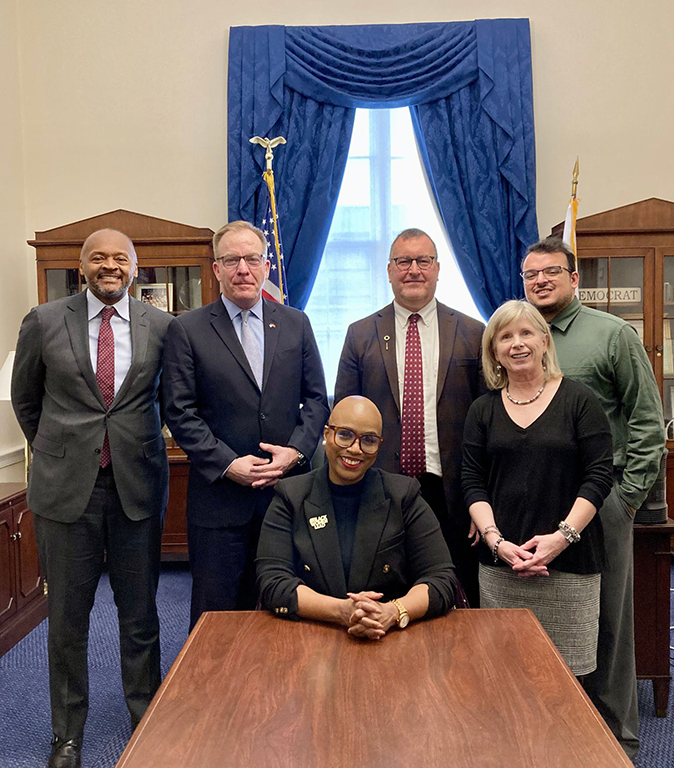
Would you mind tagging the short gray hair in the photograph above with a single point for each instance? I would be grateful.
(238, 226)
(412, 234)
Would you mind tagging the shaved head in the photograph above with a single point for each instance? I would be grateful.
(351, 418)
(356, 408)
(103, 235)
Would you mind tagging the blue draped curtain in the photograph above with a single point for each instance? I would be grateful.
(468, 85)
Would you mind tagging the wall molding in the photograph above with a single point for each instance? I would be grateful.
(13, 456)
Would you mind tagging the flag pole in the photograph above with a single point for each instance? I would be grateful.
(268, 177)
(569, 236)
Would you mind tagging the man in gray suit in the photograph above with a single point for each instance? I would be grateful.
(85, 390)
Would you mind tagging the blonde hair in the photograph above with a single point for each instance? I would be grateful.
(238, 226)
(495, 375)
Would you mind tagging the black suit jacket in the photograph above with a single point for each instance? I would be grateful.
(217, 413)
(368, 367)
(398, 544)
(60, 408)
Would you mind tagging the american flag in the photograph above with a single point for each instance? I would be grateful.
(275, 286)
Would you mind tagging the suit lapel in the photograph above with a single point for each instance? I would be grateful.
(272, 328)
(372, 516)
(446, 336)
(77, 324)
(224, 327)
(140, 332)
(385, 325)
(322, 528)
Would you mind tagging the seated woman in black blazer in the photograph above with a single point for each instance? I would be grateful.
(353, 545)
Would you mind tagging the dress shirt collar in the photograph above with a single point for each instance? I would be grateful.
(562, 320)
(95, 305)
(233, 309)
(427, 313)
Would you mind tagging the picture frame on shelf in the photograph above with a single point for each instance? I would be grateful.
(159, 295)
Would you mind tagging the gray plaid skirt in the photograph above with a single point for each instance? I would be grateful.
(566, 604)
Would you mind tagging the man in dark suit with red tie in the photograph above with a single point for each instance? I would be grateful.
(85, 390)
(246, 401)
(419, 361)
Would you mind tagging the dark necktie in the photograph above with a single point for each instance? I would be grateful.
(413, 443)
(105, 371)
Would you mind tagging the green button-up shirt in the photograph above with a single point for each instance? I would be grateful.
(604, 352)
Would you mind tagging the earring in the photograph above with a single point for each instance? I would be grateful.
(545, 361)
(499, 368)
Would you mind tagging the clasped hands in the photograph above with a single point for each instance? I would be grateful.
(532, 557)
(259, 472)
(368, 618)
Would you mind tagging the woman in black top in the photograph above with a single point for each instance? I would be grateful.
(537, 466)
(350, 544)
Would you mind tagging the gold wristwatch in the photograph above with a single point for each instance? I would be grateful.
(403, 617)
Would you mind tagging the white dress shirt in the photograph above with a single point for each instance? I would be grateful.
(121, 327)
(430, 356)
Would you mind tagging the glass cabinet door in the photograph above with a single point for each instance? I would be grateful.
(172, 289)
(614, 284)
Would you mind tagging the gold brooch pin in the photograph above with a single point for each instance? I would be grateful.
(387, 339)
(318, 522)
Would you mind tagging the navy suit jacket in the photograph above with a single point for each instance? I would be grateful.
(217, 413)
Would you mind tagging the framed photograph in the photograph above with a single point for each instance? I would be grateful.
(159, 295)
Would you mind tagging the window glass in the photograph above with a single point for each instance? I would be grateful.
(384, 191)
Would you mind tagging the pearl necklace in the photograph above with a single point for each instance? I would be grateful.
(525, 402)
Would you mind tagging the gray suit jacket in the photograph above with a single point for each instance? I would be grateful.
(61, 411)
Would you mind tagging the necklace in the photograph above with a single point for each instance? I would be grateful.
(525, 402)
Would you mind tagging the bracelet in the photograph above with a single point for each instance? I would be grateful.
(489, 529)
(494, 549)
(569, 532)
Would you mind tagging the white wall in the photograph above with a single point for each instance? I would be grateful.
(124, 105)
(15, 259)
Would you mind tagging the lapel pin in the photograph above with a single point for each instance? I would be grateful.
(272, 325)
(318, 522)
(387, 339)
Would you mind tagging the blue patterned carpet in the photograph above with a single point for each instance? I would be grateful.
(24, 690)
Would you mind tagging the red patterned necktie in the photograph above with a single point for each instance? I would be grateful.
(105, 371)
(413, 444)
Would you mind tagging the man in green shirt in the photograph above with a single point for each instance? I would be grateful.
(604, 352)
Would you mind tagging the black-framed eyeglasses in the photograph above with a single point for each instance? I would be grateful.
(253, 260)
(531, 274)
(345, 438)
(404, 263)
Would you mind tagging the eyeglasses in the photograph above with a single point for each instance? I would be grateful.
(531, 274)
(404, 263)
(253, 260)
(345, 438)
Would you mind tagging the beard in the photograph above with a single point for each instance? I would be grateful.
(106, 292)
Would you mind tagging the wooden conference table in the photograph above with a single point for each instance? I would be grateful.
(474, 688)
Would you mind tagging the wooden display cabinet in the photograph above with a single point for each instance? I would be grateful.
(626, 266)
(174, 273)
(23, 604)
